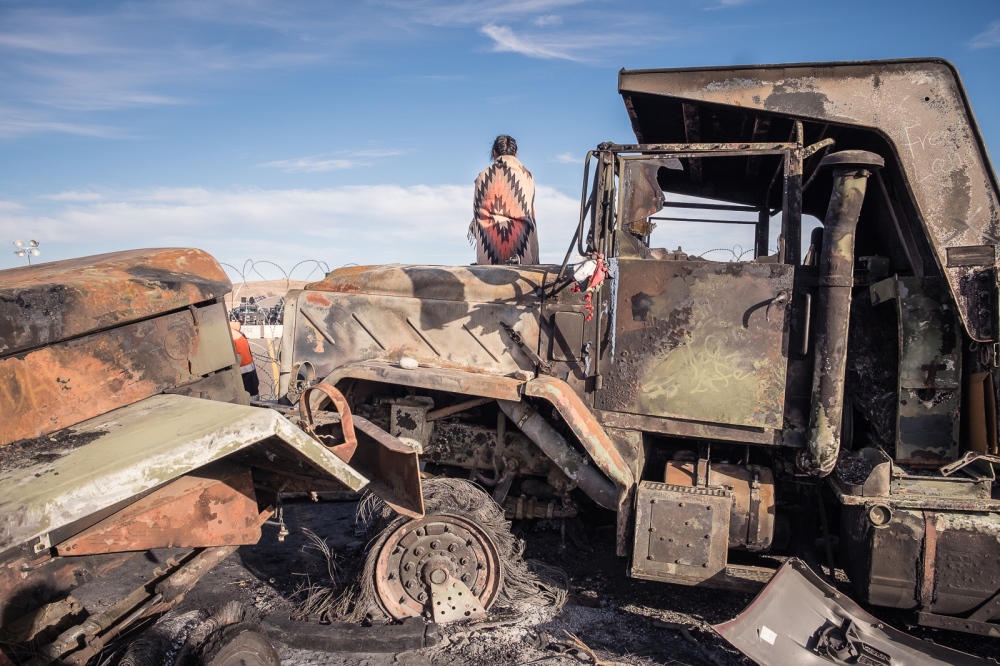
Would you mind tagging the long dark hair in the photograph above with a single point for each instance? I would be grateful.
(503, 145)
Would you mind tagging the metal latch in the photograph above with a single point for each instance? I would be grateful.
(529, 352)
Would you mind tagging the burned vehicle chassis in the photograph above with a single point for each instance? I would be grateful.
(126, 429)
(821, 389)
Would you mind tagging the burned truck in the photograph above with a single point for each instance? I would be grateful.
(832, 393)
(124, 429)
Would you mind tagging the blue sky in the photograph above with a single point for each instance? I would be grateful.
(350, 132)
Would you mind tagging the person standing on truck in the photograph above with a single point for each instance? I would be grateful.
(251, 383)
(503, 224)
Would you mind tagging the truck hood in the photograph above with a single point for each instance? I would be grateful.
(56, 301)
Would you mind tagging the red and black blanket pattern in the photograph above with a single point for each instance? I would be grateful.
(503, 223)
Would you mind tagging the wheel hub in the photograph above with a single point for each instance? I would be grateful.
(428, 552)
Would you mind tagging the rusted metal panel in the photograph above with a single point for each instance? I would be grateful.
(225, 385)
(681, 533)
(699, 341)
(689, 429)
(213, 506)
(136, 448)
(62, 384)
(55, 301)
(975, 483)
(439, 379)
(922, 501)
(919, 106)
(965, 555)
(393, 468)
(332, 329)
(213, 341)
(463, 284)
(752, 513)
(442, 317)
(567, 336)
(942, 562)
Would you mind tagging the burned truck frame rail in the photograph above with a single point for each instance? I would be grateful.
(808, 391)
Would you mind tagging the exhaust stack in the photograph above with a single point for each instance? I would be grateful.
(851, 169)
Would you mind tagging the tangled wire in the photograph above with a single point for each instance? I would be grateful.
(250, 269)
(525, 583)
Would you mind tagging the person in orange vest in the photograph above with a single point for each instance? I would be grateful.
(247, 368)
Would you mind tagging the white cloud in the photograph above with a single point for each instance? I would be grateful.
(62, 63)
(533, 45)
(309, 164)
(376, 152)
(74, 196)
(988, 38)
(330, 162)
(355, 224)
(19, 126)
(567, 158)
(436, 12)
(547, 20)
(724, 4)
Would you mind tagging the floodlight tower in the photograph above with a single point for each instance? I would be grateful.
(29, 249)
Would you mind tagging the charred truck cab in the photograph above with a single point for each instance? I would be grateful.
(842, 389)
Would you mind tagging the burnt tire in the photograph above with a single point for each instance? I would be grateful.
(245, 648)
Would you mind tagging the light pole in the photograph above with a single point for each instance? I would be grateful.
(29, 249)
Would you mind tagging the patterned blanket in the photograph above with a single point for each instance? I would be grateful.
(503, 223)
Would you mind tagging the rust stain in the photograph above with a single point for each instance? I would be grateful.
(203, 509)
(55, 301)
(317, 298)
(63, 384)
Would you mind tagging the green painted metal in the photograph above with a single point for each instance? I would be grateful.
(116, 457)
(930, 364)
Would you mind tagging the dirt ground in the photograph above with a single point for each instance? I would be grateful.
(609, 613)
(609, 619)
(265, 288)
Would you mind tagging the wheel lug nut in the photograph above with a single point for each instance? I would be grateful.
(464, 561)
(408, 566)
(435, 545)
(410, 584)
(452, 548)
(466, 578)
